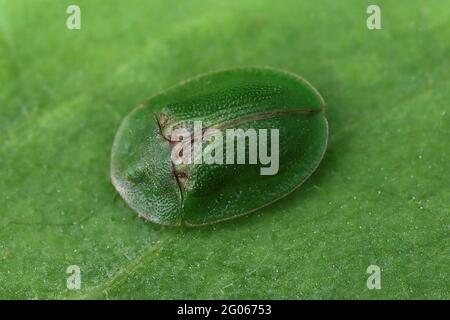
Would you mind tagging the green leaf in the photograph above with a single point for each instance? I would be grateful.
(380, 195)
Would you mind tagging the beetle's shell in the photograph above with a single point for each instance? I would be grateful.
(197, 194)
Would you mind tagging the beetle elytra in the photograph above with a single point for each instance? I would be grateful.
(278, 116)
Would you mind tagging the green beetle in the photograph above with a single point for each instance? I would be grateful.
(188, 191)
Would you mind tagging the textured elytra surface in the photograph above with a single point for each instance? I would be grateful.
(380, 195)
(198, 193)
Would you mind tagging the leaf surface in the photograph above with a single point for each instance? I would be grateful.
(380, 195)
